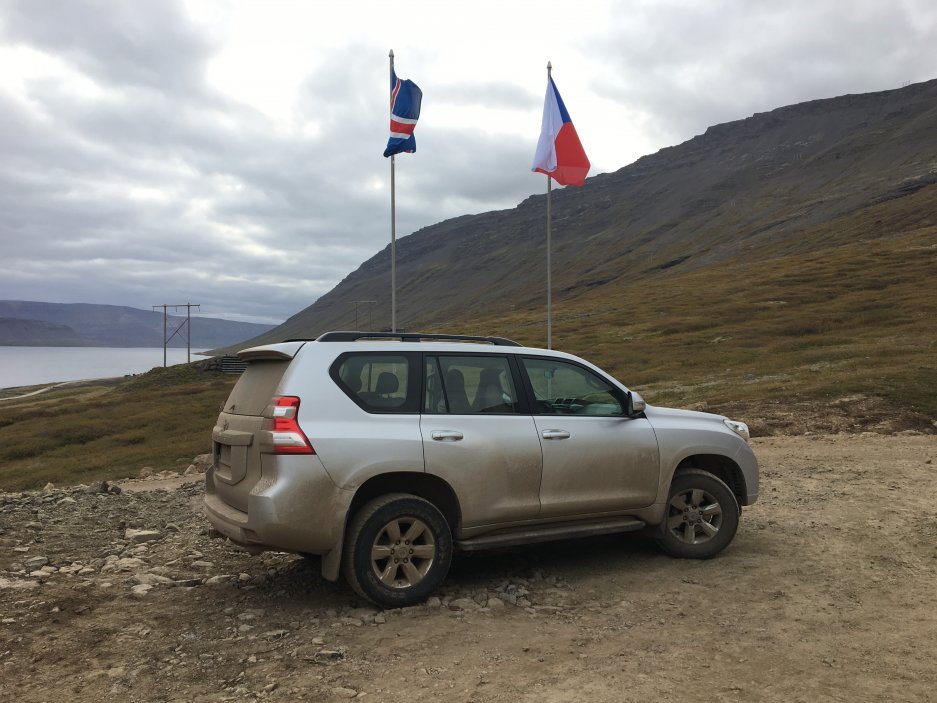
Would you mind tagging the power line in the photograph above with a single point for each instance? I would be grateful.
(369, 303)
(186, 324)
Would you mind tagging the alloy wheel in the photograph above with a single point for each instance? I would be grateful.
(695, 516)
(403, 552)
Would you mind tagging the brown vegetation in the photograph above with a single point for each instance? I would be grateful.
(107, 430)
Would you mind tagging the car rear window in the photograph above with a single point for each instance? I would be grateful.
(256, 386)
(377, 382)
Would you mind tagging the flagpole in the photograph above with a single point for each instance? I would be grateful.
(393, 223)
(549, 267)
(549, 228)
(393, 249)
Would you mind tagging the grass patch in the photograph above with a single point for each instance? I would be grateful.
(161, 419)
(855, 317)
(913, 388)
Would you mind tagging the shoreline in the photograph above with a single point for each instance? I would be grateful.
(40, 388)
(25, 369)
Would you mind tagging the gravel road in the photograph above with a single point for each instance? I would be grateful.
(829, 593)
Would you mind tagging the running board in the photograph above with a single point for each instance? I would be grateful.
(549, 534)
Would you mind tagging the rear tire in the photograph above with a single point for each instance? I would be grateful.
(397, 551)
(702, 516)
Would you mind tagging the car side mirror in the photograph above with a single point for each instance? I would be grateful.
(637, 403)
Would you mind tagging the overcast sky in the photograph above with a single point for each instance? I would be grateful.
(228, 153)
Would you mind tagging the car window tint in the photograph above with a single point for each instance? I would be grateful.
(470, 385)
(567, 389)
(377, 381)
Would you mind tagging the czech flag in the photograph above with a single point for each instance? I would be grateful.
(405, 99)
(559, 152)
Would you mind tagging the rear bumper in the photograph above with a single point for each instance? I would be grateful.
(294, 507)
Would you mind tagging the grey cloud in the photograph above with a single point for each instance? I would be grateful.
(689, 66)
(483, 171)
(128, 43)
(491, 94)
(309, 202)
(253, 220)
(295, 198)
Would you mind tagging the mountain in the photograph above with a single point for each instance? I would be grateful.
(26, 323)
(745, 190)
(37, 333)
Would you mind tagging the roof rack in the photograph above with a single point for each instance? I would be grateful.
(412, 337)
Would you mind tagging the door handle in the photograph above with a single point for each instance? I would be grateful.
(555, 434)
(446, 435)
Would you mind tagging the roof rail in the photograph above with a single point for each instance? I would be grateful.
(413, 337)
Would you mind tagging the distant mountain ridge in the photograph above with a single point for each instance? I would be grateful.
(748, 188)
(37, 333)
(29, 323)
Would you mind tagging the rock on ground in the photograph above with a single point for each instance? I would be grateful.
(826, 593)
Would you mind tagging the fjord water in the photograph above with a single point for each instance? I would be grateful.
(32, 366)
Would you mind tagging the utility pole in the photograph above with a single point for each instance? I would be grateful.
(187, 324)
(363, 302)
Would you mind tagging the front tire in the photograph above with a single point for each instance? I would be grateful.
(398, 550)
(702, 516)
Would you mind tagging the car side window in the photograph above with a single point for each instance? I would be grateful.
(562, 388)
(469, 385)
(377, 382)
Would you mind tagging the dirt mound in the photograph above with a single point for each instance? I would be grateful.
(850, 414)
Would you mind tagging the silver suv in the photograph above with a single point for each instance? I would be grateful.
(384, 453)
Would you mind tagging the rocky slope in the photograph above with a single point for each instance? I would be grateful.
(745, 189)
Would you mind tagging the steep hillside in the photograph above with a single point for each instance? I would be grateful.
(743, 190)
(791, 335)
(27, 323)
(780, 268)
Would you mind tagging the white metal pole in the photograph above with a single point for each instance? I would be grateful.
(549, 267)
(393, 227)
(393, 249)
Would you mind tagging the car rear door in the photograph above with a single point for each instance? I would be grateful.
(596, 459)
(479, 436)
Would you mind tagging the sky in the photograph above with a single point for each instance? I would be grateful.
(229, 153)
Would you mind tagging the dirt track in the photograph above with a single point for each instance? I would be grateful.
(829, 593)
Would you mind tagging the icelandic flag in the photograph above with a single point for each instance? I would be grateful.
(559, 152)
(405, 99)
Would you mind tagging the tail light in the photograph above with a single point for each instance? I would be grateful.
(287, 436)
